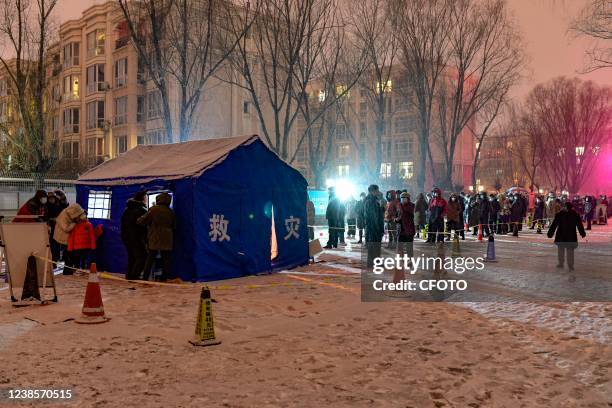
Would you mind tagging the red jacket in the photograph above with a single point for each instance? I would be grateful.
(83, 236)
(29, 208)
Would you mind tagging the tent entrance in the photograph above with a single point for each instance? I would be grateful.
(273, 241)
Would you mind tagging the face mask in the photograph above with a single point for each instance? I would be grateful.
(404, 200)
(43, 200)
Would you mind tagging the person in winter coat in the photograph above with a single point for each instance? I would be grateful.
(374, 216)
(160, 222)
(504, 215)
(601, 210)
(589, 210)
(517, 212)
(134, 235)
(351, 218)
(405, 221)
(578, 205)
(453, 216)
(437, 211)
(332, 215)
(341, 224)
(310, 217)
(474, 213)
(564, 228)
(52, 210)
(359, 211)
(34, 207)
(64, 224)
(420, 212)
(484, 211)
(538, 214)
(391, 215)
(82, 242)
(494, 209)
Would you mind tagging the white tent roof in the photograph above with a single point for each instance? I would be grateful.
(169, 161)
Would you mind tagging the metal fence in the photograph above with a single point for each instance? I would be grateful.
(15, 190)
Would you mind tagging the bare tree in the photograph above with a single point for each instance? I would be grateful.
(278, 62)
(575, 118)
(595, 21)
(26, 32)
(421, 28)
(326, 98)
(485, 61)
(374, 34)
(182, 43)
(147, 22)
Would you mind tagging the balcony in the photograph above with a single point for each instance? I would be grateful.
(95, 52)
(97, 87)
(69, 97)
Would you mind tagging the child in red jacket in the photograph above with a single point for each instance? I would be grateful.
(82, 242)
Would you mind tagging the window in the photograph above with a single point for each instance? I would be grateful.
(386, 149)
(341, 131)
(344, 150)
(3, 111)
(322, 95)
(95, 79)
(95, 147)
(121, 71)
(99, 204)
(140, 140)
(343, 170)
(71, 87)
(153, 105)
(140, 71)
(403, 124)
(70, 150)
(363, 107)
(55, 125)
(362, 152)
(71, 55)
(387, 86)
(404, 147)
(95, 115)
(385, 170)
(363, 130)
(154, 137)
(71, 120)
(245, 107)
(342, 90)
(3, 87)
(122, 34)
(95, 43)
(120, 145)
(406, 170)
(121, 110)
(140, 108)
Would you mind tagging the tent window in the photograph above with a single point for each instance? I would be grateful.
(99, 204)
(152, 196)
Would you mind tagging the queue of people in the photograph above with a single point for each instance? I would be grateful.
(146, 233)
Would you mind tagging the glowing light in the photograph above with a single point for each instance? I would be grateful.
(480, 188)
(344, 188)
(471, 188)
(541, 191)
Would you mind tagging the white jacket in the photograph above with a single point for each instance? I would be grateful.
(65, 222)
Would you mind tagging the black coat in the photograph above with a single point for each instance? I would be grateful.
(131, 232)
(538, 212)
(483, 211)
(374, 219)
(517, 210)
(494, 210)
(333, 212)
(565, 225)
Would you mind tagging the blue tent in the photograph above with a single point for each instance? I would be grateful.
(227, 195)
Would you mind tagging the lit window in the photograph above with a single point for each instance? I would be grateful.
(344, 151)
(341, 90)
(385, 170)
(579, 150)
(343, 170)
(406, 170)
(386, 87)
(99, 204)
(322, 95)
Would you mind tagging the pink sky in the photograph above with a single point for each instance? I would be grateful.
(551, 50)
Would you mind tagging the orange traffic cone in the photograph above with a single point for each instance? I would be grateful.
(480, 232)
(93, 309)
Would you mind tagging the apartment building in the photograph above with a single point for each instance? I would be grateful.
(354, 142)
(105, 103)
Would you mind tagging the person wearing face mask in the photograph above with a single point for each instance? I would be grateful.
(517, 211)
(437, 211)
(53, 209)
(453, 216)
(494, 209)
(589, 210)
(405, 221)
(34, 209)
(564, 228)
(374, 216)
(483, 213)
(538, 214)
